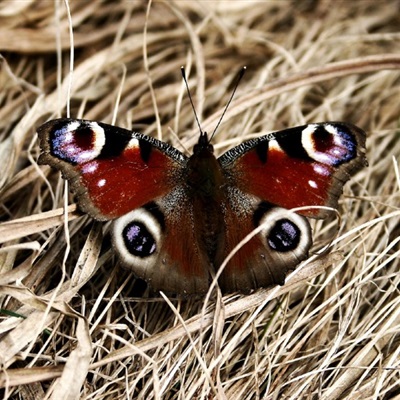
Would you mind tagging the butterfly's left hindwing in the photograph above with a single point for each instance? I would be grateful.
(111, 170)
(159, 243)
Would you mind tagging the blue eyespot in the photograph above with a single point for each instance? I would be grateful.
(284, 236)
(138, 240)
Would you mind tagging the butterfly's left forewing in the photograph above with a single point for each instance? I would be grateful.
(111, 170)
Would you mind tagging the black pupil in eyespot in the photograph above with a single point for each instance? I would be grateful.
(284, 236)
(138, 240)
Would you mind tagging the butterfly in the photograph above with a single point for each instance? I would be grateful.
(176, 218)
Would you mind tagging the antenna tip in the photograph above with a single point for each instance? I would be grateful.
(242, 71)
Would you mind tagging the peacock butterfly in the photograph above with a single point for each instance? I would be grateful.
(176, 218)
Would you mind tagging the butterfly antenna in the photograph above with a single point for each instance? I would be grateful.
(190, 98)
(239, 78)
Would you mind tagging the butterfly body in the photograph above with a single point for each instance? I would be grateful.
(177, 218)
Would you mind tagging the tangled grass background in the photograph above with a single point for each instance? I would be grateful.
(74, 324)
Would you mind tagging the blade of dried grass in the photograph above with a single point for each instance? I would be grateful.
(368, 356)
(25, 376)
(202, 321)
(23, 227)
(312, 76)
(35, 321)
(69, 385)
(11, 273)
(187, 333)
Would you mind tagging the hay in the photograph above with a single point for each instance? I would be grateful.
(76, 326)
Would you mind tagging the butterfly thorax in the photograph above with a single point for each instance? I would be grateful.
(205, 177)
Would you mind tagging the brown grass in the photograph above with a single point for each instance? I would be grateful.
(73, 324)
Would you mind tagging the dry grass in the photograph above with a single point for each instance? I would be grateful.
(76, 326)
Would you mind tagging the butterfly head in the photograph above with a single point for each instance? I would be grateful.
(203, 146)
